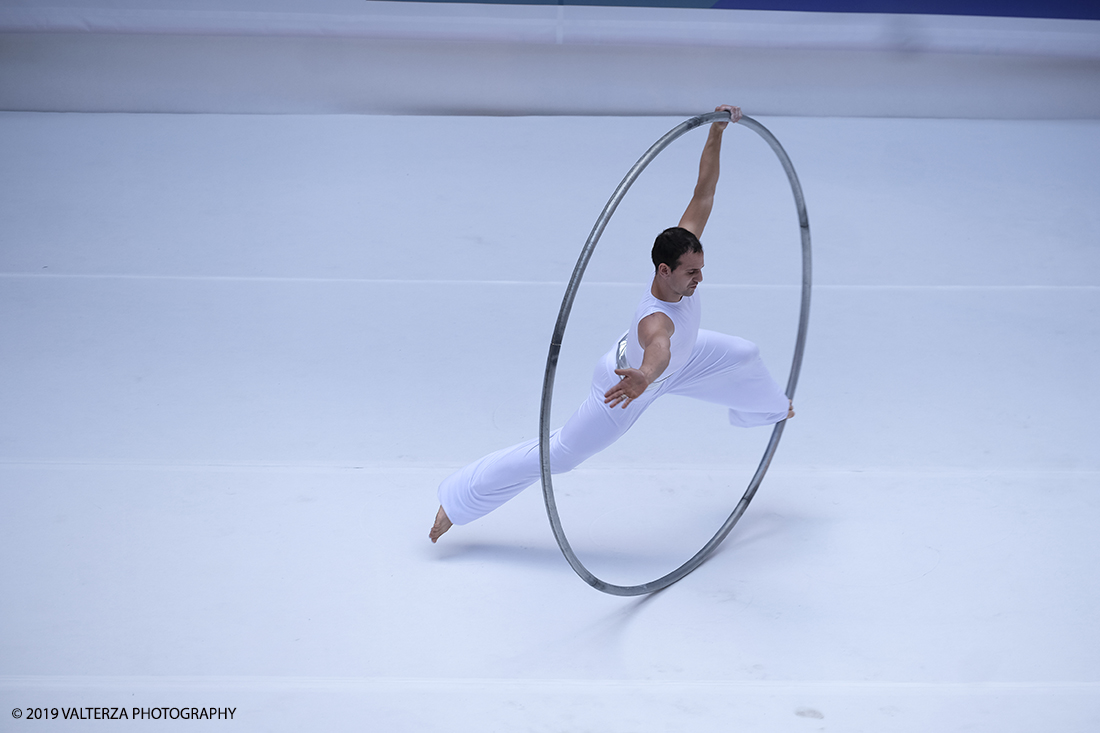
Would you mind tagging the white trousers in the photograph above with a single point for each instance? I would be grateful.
(725, 370)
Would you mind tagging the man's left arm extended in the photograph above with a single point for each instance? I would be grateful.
(655, 337)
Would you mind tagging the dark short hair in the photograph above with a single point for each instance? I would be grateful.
(672, 244)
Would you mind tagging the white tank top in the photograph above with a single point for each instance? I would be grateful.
(685, 315)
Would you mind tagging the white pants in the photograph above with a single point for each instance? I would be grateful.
(726, 370)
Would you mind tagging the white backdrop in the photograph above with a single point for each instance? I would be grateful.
(363, 56)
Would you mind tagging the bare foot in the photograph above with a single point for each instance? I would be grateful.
(442, 524)
(790, 414)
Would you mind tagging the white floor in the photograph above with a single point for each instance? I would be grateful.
(237, 355)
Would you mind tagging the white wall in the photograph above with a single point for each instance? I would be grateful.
(341, 56)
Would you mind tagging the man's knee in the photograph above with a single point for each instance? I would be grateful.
(567, 454)
(564, 459)
(748, 350)
(735, 350)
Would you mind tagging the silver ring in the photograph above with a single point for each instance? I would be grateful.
(559, 331)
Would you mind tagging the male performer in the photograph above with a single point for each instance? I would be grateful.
(664, 352)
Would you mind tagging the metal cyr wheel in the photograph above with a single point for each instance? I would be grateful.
(559, 331)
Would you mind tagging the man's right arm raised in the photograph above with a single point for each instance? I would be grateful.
(702, 201)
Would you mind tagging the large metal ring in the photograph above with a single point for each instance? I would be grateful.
(559, 331)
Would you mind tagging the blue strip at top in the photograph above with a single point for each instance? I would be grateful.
(1061, 9)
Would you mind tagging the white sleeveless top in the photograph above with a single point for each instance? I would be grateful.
(685, 315)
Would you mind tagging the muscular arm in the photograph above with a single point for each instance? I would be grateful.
(655, 337)
(702, 201)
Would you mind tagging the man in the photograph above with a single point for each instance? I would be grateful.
(664, 352)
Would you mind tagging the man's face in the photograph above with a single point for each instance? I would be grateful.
(687, 275)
